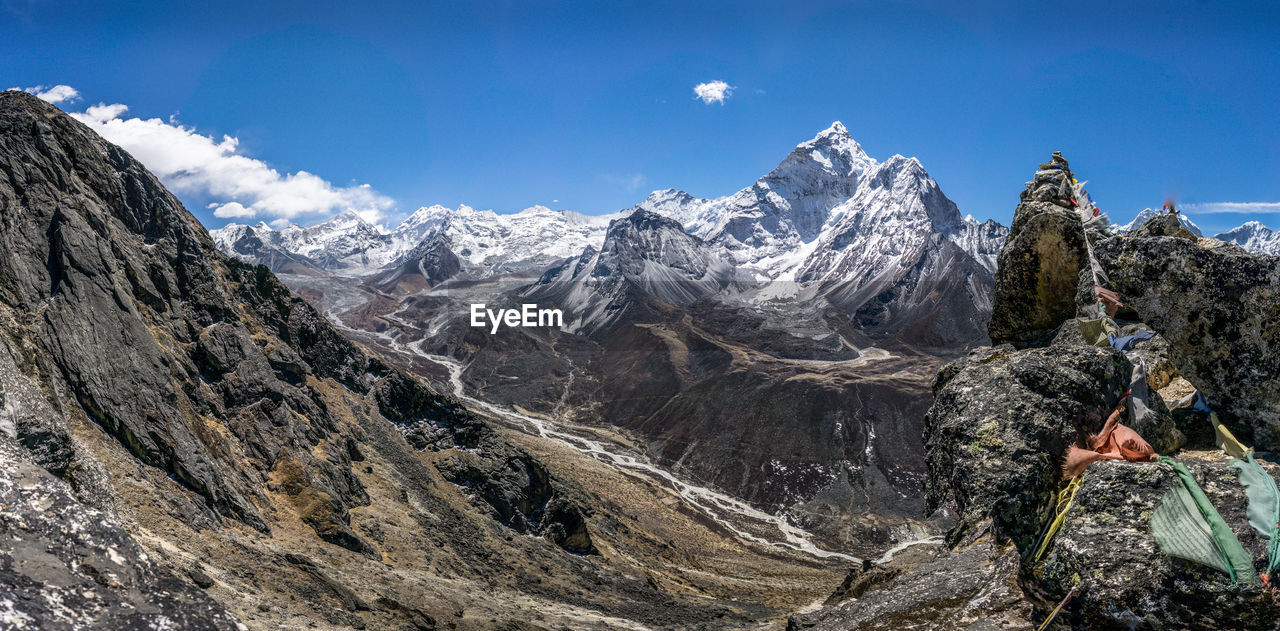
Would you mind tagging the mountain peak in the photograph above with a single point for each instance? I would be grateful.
(837, 130)
(1253, 236)
(833, 152)
(644, 218)
(666, 195)
(836, 136)
(349, 216)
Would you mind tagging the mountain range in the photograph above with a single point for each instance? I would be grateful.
(819, 297)
(187, 443)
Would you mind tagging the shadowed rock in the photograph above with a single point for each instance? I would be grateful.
(1038, 271)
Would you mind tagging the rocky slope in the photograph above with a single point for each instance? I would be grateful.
(234, 459)
(1003, 419)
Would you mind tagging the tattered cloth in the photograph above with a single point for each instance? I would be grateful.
(1114, 442)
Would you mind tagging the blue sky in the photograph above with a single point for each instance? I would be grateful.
(589, 106)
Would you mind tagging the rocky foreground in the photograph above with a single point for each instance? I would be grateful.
(1004, 417)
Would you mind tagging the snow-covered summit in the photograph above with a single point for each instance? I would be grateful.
(1254, 237)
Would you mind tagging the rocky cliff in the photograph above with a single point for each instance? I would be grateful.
(1028, 540)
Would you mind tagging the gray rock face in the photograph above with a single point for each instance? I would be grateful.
(1125, 581)
(1038, 271)
(132, 315)
(64, 566)
(1001, 421)
(1217, 308)
(428, 264)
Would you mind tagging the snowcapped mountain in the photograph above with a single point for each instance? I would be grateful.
(1148, 213)
(428, 264)
(1254, 237)
(534, 238)
(829, 223)
(822, 207)
(345, 244)
(486, 242)
(788, 207)
(675, 204)
(644, 255)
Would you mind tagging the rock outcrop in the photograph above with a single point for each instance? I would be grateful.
(1003, 419)
(1105, 545)
(1164, 225)
(973, 586)
(1039, 266)
(1219, 309)
(66, 566)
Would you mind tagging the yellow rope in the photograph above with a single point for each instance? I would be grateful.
(1065, 498)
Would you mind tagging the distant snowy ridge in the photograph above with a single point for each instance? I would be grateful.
(1254, 237)
(487, 241)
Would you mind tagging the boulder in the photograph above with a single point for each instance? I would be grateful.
(1125, 580)
(1001, 423)
(1039, 268)
(1219, 310)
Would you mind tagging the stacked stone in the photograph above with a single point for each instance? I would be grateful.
(1053, 183)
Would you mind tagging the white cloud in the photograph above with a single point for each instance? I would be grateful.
(713, 92)
(53, 93)
(240, 187)
(230, 210)
(1232, 207)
